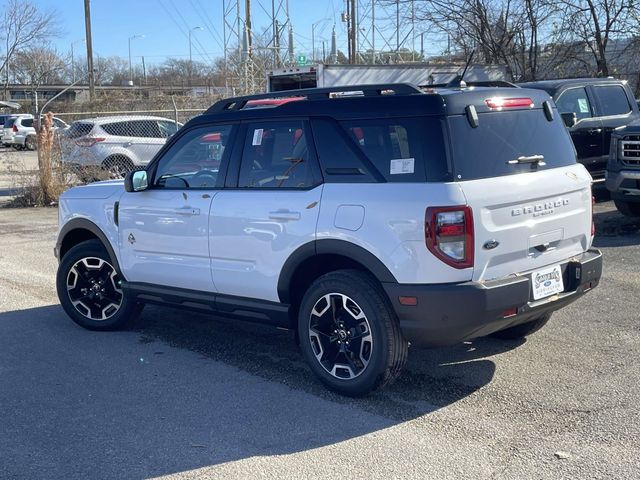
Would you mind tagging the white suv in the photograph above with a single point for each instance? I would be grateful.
(20, 133)
(118, 144)
(362, 223)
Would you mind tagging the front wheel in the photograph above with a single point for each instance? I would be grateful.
(349, 333)
(89, 289)
(629, 209)
(523, 330)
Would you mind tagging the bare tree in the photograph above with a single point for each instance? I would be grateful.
(37, 66)
(596, 23)
(24, 24)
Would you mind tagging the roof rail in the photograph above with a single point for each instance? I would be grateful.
(237, 103)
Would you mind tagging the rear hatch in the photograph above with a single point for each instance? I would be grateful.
(516, 165)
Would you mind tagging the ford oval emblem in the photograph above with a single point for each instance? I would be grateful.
(491, 244)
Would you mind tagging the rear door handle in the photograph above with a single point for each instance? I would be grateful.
(127, 144)
(187, 211)
(594, 131)
(285, 215)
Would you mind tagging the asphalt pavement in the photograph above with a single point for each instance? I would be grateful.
(183, 395)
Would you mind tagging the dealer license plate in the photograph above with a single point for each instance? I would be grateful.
(547, 282)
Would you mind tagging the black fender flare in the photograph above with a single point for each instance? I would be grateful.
(85, 224)
(330, 246)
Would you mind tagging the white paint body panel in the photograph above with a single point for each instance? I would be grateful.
(252, 234)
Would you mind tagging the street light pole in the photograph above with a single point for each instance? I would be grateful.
(73, 62)
(313, 38)
(130, 64)
(190, 56)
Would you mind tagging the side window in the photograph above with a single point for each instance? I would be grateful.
(613, 100)
(146, 129)
(403, 149)
(119, 129)
(167, 129)
(194, 160)
(276, 155)
(575, 100)
(27, 122)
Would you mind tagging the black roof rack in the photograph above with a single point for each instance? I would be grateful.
(237, 103)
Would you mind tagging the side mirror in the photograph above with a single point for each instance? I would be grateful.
(136, 181)
(569, 119)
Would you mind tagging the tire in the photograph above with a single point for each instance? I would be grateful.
(629, 209)
(97, 303)
(118, 166)
(350, 356)
(523, 330)
(31, 143)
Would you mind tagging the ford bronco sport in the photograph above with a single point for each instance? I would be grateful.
(363, 218)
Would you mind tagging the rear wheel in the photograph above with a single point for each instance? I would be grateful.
(31, 143)
(629, 209)
(89, 289)
(522, 330)
(118, 166)
(349, 333)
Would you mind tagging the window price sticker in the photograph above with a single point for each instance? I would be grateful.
(257, 136)
(400, 166)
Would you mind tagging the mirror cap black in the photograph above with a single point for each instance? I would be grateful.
(128, 182)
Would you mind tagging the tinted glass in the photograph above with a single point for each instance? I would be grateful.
(402, 149)
(503, 136)
(613, 100)
(9, 122)
(146, 129)
(27, 122)
(276, 155)
(119, 129)
(79, 129)
(575, 101)
(194, 160)
(167, 128)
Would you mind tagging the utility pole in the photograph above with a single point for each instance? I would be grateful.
(87, 26)
(144, 71)
(354, 32)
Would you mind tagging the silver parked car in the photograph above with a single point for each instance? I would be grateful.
(117, 144)
(20, 133)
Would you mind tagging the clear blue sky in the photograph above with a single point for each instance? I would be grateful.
(165, 23)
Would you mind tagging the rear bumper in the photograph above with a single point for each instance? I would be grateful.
(449, 313)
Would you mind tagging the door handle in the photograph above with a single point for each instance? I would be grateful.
(594, 131)
(127, 144)
(285, 215)
(187, 211)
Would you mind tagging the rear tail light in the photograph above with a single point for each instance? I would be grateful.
(88, 141)
(449, 234)
(498, 103)
(14, 129)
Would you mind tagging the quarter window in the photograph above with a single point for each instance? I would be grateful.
(575, 101)
(193, 162)
(613, 100)
(402, 149)
(276, 155)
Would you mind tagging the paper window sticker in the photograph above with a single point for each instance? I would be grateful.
(583, 105)
(257, 136)
(400, 166)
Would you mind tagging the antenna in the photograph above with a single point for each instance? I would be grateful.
(458, 80)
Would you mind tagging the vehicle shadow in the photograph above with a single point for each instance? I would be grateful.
(615, 230)
(181, 391)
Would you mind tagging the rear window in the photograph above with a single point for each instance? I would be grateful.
(79, 129)
(407, 149)
(500, 137)
(9, 122)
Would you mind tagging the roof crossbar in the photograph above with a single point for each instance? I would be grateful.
(237, 103)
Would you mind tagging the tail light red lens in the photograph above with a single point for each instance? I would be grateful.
(449, 234)
(498, 103)
(88, 141)
(14, 129)
(593, 223)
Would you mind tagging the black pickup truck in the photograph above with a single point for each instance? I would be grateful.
(592, 108)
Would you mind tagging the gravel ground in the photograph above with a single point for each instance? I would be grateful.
(182, 395)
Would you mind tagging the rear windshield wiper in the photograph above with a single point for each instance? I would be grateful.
(537, 159)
